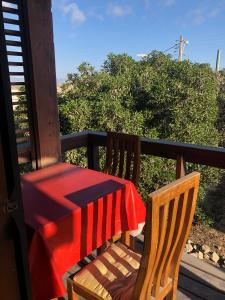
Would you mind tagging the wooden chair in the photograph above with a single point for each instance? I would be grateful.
(123, 156)
(120, 273)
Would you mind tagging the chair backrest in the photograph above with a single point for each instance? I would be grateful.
(123, 156)
(169, 217)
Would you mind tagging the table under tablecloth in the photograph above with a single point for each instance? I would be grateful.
(69, 212)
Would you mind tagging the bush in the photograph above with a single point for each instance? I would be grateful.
(157, 97)
(221, 105)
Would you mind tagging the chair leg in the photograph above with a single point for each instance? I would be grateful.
(173, 293)
(115, 238)
(170, 296)
(102, 249)
(128, 240)
(71, 294)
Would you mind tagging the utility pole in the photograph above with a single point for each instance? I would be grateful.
(218, 60)
(181, 48)
(182, 44)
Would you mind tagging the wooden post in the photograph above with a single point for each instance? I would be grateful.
(180, 167)
(93, 157)
(44, 100)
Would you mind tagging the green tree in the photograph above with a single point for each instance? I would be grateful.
(156, 97)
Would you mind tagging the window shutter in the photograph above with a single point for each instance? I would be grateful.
(20, 70)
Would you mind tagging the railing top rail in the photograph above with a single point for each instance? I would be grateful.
(204, 155)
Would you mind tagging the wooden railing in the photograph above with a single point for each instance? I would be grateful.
(181, 152)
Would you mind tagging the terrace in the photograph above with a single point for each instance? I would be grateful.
(198, 279)
(44, 146)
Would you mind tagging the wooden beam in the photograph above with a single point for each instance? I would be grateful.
(203, 155)
(44, 100)
(74, 141)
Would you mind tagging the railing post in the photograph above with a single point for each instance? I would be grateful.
(93, 157)
(180, 167)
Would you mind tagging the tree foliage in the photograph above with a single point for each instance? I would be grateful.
(156, 97)
(221, 105)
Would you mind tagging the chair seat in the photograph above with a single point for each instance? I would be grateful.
(112, 275)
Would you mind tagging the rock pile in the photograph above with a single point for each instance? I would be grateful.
(204, 252)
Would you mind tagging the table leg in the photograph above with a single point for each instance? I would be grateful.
(128, 240)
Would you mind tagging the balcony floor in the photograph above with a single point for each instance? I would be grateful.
(200, 280)
(197, 280)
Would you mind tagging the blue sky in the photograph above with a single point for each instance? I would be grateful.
(87, 30)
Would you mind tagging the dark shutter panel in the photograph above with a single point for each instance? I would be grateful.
(20, 69)
(14, 274)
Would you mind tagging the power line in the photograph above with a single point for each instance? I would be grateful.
(175, 45)
(179, 45)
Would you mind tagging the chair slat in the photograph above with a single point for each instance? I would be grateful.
(173, 207)
(189, 215)
(150, 250)
(123, 156)
(163, 215)
(177, 231)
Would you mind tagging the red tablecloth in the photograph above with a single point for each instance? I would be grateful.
(72, 211)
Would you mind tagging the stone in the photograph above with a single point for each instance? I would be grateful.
(206, 256)
(189, 248)
(189, 242)
(200, 255)
(215, 257)
(206, 249)
(195, 254)
(218, 247)
(195, 247)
